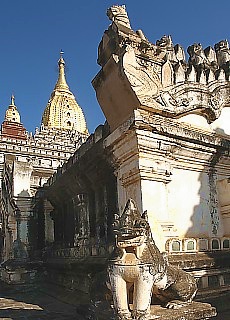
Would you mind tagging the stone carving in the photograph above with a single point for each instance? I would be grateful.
(223, 52)
(165, 49)
(119, 15)
(197, 57)
(159, 75)
(137, 261)
(142, 81)
(165, 42)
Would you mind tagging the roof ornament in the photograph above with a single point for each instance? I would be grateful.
(61, 83)
(12, 113)
(12, 100)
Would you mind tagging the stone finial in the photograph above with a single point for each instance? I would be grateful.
(210, 54)
(179, 51)
(165, 42)
(179, 73)
(167, 74)
(222, 52)
(165, 49)
(197, 56)
(119, 16)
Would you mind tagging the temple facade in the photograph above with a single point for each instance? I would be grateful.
(28, 160)
(165, 145)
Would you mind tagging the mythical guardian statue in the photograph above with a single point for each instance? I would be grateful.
(197, 57)
(137, 262)
(223, 56)
(222, 52)
(119, 15)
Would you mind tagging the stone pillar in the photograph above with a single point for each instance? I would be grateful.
(49, 223)
(8, 242)
(81, 219)
(214, 206)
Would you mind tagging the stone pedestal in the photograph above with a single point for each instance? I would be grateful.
(192, 311)
(17, 271)
(17, 276)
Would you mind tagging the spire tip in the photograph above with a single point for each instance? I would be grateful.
(12, 100)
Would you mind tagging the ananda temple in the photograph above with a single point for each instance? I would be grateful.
(158, 168)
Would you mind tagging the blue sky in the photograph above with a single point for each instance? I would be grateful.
(32, 33)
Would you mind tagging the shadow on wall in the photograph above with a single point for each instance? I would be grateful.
(206, 213)
(23, 202)
(24, 194)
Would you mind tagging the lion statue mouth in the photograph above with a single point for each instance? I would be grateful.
(129, 241)
(131, 229)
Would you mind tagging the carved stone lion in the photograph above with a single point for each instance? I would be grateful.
(197, 57)
(223, 55)
(137, 262)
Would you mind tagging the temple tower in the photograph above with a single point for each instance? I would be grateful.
(27, 161)
(62, 110)
(12, 126)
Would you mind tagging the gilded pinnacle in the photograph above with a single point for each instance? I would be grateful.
(12, 113)
(62, 111)
(61, 82)
(12, 100)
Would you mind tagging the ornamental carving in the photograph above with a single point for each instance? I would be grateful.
(144, 84)
(222, 52)
(158, 74)
(118, 15)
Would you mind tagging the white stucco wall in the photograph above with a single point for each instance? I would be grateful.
(223, 187)
(183, 203)
(188, 201)
(22, 174)
(196, 120)
(220, 125)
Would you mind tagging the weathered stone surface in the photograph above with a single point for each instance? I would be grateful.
(193, 311)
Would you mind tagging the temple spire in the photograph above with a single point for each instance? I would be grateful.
(61, 82)
(62, 110)
(12, 126)
(12, 113)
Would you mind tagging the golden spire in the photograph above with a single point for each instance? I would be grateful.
(12, 113)
(61, 82)
(62, 111)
